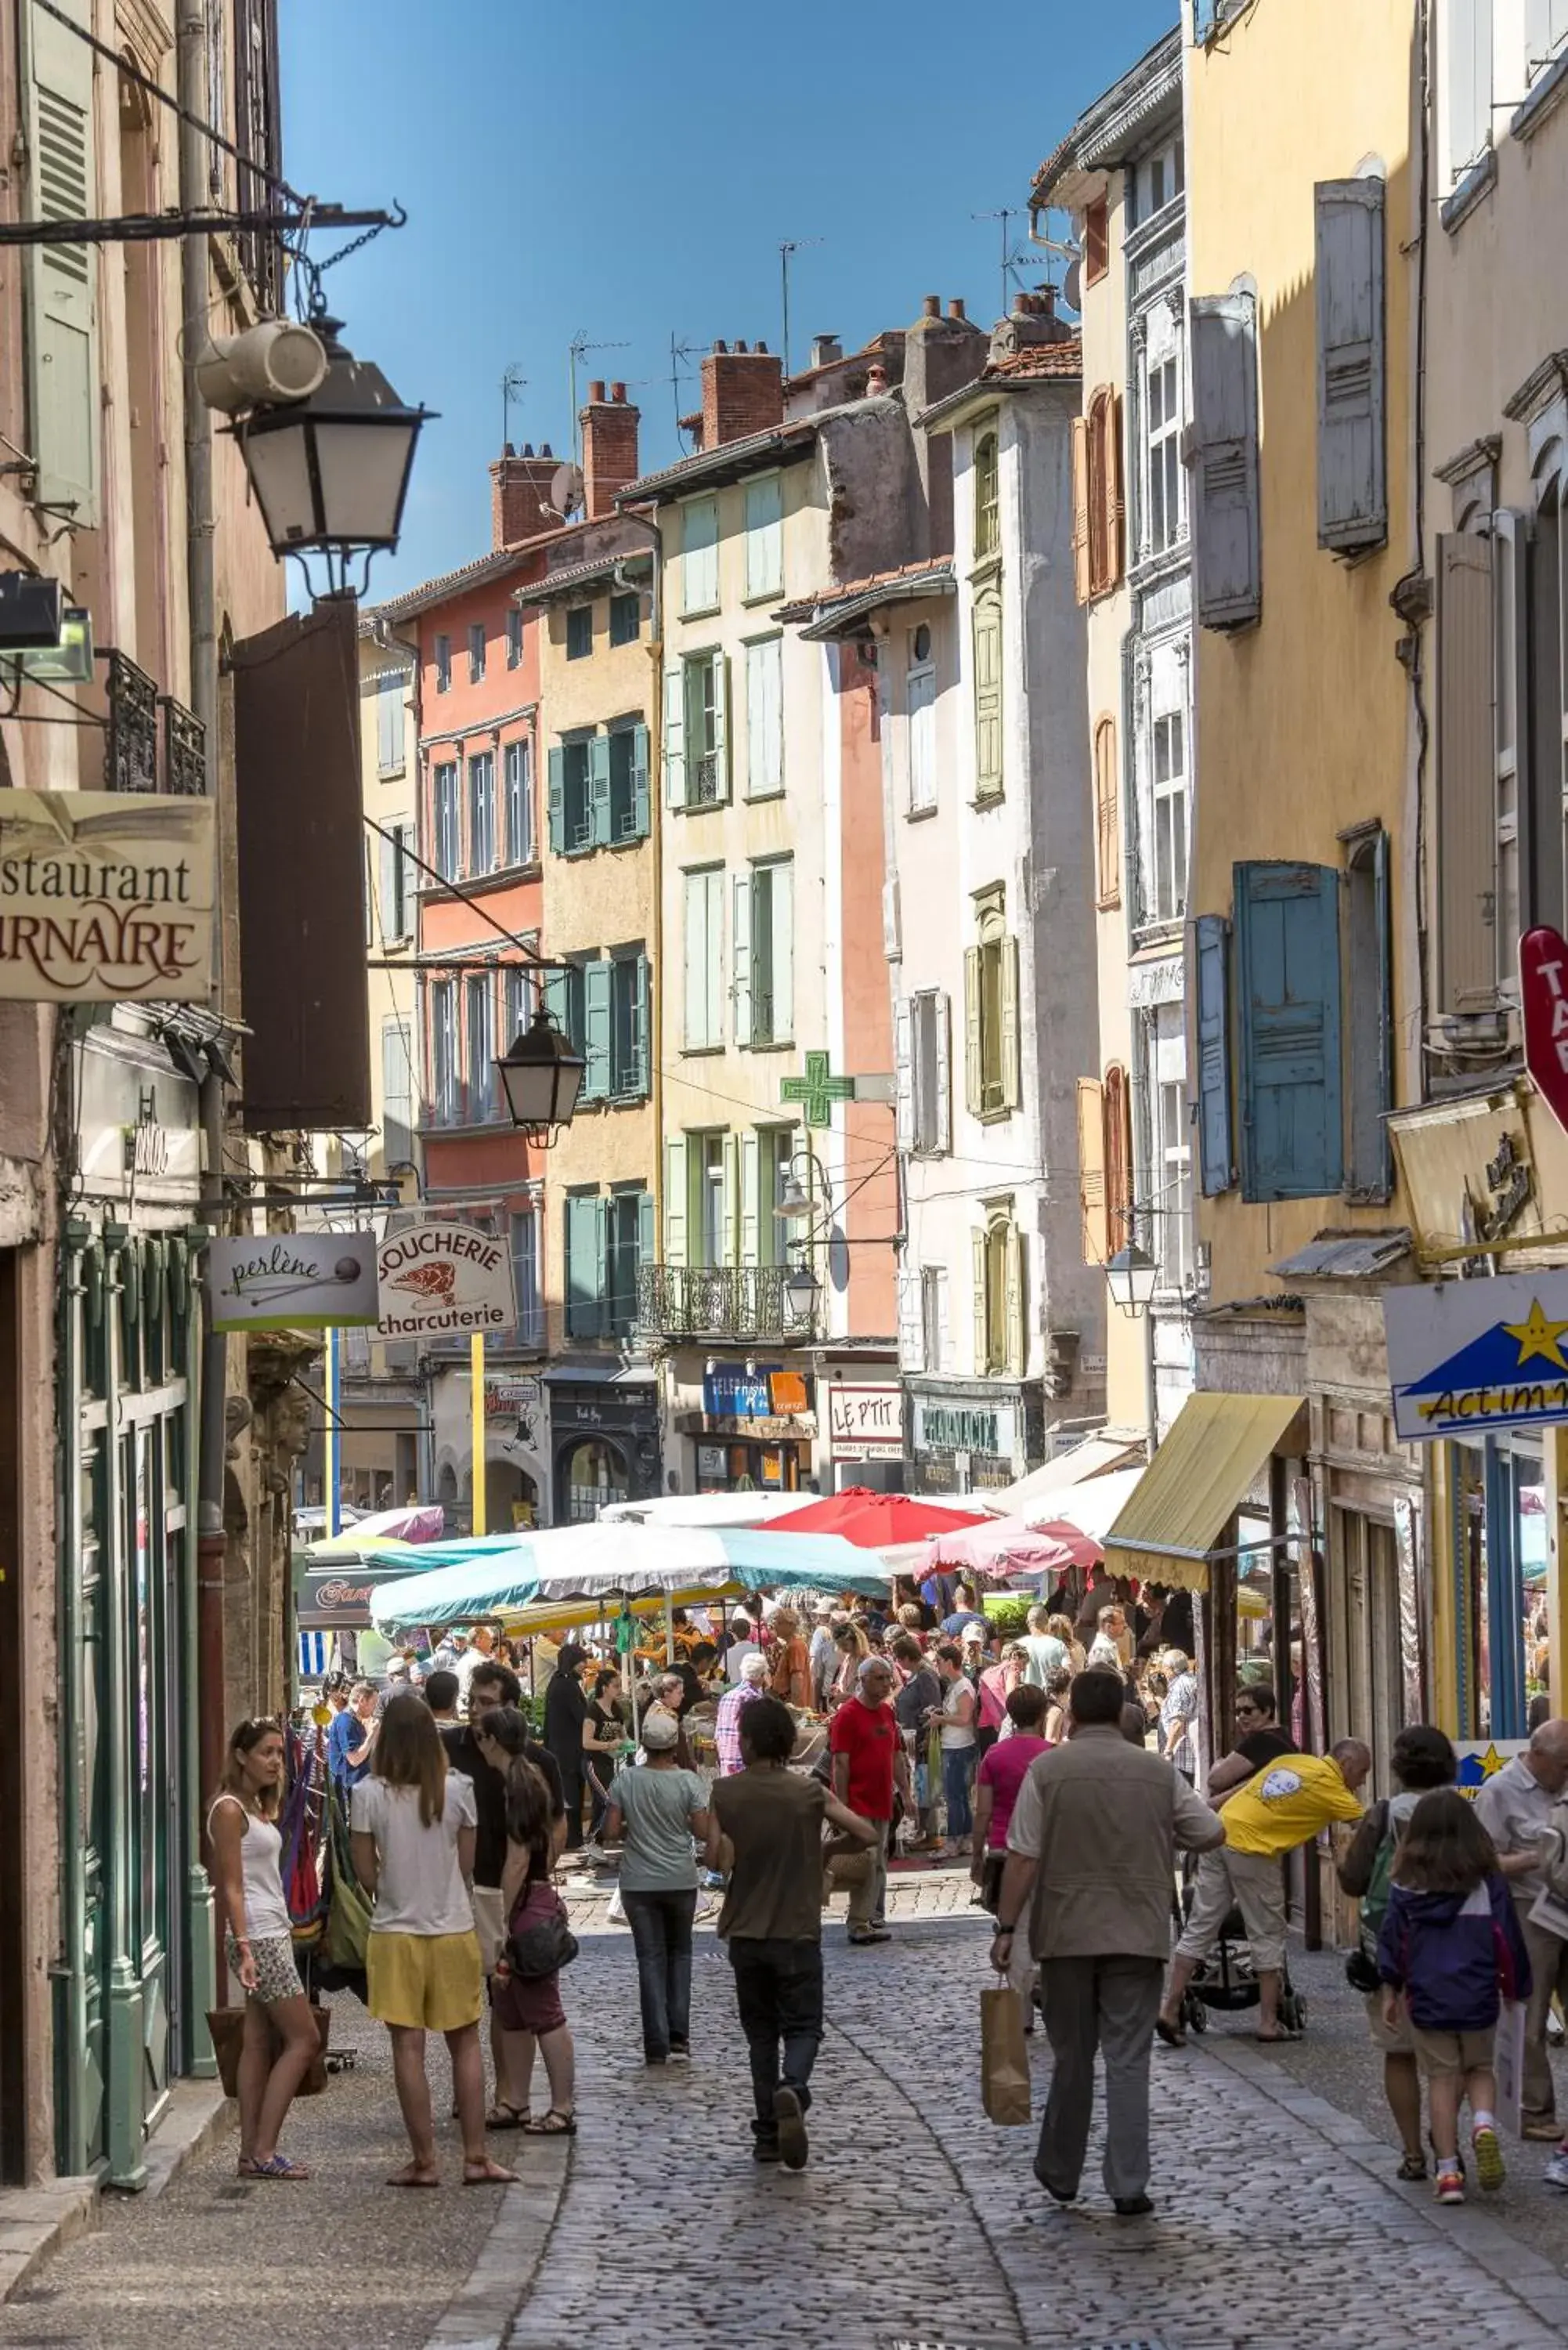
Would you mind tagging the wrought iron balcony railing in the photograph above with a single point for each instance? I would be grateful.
(131, 747)
(184, 749)
(717, 1302)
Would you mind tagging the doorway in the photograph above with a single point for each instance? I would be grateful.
(1365, 1657)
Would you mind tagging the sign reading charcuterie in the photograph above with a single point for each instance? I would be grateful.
(442, 1277)
(106, 897)
(292, 1281)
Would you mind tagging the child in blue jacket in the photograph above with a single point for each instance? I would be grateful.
(1451, 1943)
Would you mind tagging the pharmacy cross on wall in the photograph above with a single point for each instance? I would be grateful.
(818, 1090)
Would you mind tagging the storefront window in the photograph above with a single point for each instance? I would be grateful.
(596, 1474)
(1502, 1517)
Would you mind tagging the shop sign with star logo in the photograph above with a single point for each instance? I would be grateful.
(1466, 1357)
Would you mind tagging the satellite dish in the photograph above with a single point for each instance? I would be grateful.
(1072, 285)
(567, 489)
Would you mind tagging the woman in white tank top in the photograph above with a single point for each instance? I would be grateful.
(280, 2038)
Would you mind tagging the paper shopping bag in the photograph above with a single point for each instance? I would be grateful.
(1511, 2066)
(1003, 2057)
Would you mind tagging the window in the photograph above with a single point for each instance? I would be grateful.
(599, 791)
(521, 840)
(763, 988)
(708, 1155)
(987, 498)
(1545, 31)
(704, 943)
(1369, 1034)
(1107, 826)
(699, 556)
(923, 1050)
(1097, 240)
(628, 1074)
(591, 991)
(696, 752)
(579, 631)
(1352, 493)
(397, 1092)
(514, 636)
(448, 822)
(1155, 182)
(390, 753)
(627, 812)
(920, 711)
(571, 802)
(586, 1223)
(628, 1216)
(524, 1235)
(1163, 519)
(1094, 1221)
(998, 1264)
(1116, 1114)
(396, 884)
(522, 1001)
(1098, 507)
(774, 1148)
(1472, 827)
(764, 718)
(934, 1341)
(987, 636)
(481, 813)
(443, 1052)
(443, 664)
(1226, 552)
(476, 652)
(484, 1087)
(1465, 85)
(1169, 755)
(764, 537)
(1287, 991)
(991, 1014)
(625, 619)
(1172, 1233)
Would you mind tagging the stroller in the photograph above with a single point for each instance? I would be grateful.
(1227, 1978)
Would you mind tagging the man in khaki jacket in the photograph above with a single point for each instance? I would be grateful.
(1091, 1855)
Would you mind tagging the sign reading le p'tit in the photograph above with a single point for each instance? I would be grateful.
(106, 897)
(1466, 1357)
(438, 1277)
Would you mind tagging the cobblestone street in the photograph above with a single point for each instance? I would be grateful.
(1278, 2224)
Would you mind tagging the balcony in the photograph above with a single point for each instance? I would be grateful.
(698, 1301)
(139, 753)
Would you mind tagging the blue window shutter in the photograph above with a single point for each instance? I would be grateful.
(1351, 491)
(640, 823)
(1221, 445)
(1216, 1150)
(584, 1281)
(557, 801)
(558, 1002)
(638, 1076)
(596, 1031)
(1287, 955)
(598, 809)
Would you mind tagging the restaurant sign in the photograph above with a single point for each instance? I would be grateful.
(105, 897)
(292, 1281)
(867, 1421)
(440, 1278)
(1466, 1357)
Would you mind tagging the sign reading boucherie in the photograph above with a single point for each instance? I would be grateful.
(105, 896)
(437, 1277)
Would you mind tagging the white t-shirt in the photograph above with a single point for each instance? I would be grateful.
(419, 1889)
(735, 1657)
(467, 1664)
(955, 1731)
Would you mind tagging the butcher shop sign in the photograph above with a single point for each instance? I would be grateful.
(439, 1279)
(105, 896)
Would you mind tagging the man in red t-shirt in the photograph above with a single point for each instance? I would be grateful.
(867, 1760)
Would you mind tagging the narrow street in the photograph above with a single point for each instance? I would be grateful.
(1278, 2226)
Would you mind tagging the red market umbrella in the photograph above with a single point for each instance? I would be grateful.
(873, 1520)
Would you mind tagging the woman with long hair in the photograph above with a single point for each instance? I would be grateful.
(413, 1824)
(565, 1711)
(280, 2035)
(604, 1734)
(853, 1648)
(528, 2008)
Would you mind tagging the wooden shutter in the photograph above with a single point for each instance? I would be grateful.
(904, 1074)
(912, 1324)
(973, 1060)
(892, 924)
(674, 736)
(1081, 586)
(675, 1199)
(1221, 446)
(641, 819)
(1287, 975)
(987, 630)
(1012, 1068)
(600, 831)
(720, 725)
(699, 556)
(61, 280)
(1107, 815)
(781, 880)
(1351, 491)
(1369, 1057)
(765, 544)
(943, 1138)
(1466, 777)
(1116, 1111)
(585, 1270)
(1097, 240)
(597, 979)
(1017, 1341)
(1466, 57)
(741, 971)
(1092, 1170)
(1114, 476)
(1212, 995)
(752, 1203)
(729, 1210)
(638, 1074)
(695, 949)
(647, 1238)
(385, 928)
(981, 1319)
(557, 800)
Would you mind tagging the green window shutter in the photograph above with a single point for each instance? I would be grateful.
(781, 882)
(720, 724)
(987, 694)
(973, 1082)
(675, 1199)
(558, 1001)
(981, 1340)
(585, 1284)
(597, 979)
(558, 801)
(751, 1198)
(61, 280)
(1013, 1281)
(598, 826)
(741, 955)
(730, 1225)
(604, 1287)
(639, 1076)
(1011, 1070)
(641, 822)
(675, 735)
(647, 1243)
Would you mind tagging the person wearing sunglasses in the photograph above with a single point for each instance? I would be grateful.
(1259, 1740)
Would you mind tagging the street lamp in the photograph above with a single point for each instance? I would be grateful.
(541, 1077)
(801, 1289)
(1133, 1277)
(330, 471)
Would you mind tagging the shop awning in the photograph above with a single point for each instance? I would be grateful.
(1202, 1472)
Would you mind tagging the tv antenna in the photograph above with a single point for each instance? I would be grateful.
(513, 385)
(578, 347)
(1064, 249)
(678, 352)
(1013, 261)
(788, 245)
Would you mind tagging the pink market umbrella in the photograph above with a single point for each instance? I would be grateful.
(1007, 1546)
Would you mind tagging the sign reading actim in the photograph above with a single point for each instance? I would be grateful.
(442, 1279)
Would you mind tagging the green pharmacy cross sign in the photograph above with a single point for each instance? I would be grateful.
(818, 1090)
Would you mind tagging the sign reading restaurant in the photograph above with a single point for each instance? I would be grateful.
(1466, 1357)
(106, 897)
(438, 1278)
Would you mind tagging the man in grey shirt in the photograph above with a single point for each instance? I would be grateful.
(1091, 1855)
(1513, 1806)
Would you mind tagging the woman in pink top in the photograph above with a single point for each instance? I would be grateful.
(1001, 1773)
(997, 1684)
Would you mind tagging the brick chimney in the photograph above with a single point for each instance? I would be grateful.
(1032, 321)
(609, 447)
(520, 495)
(743, 392)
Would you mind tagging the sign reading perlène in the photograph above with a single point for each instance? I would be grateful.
(437, 1277)
(292, 1281)
(106, 897)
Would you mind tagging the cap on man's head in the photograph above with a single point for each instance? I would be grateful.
(975, 1632)
(823, 1607)
(661, 1729)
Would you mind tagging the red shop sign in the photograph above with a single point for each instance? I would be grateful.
(1544, 992)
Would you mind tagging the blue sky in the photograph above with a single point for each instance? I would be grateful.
(636, 184)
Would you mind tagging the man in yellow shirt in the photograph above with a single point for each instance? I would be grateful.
(1280, 1807)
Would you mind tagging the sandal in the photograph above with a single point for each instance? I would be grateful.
(278, 2165)
(503, 2116)
(488, 2174)
(412, 2175)
(553, 2124)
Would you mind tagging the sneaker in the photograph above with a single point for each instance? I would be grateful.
(858, 1936)
(1490, 2169)
(1450, 2186)
(765, 2150)
(679, 2052)
(1556, 2171)
(790, 2121)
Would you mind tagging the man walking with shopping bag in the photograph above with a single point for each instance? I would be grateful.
(1091, 1856)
